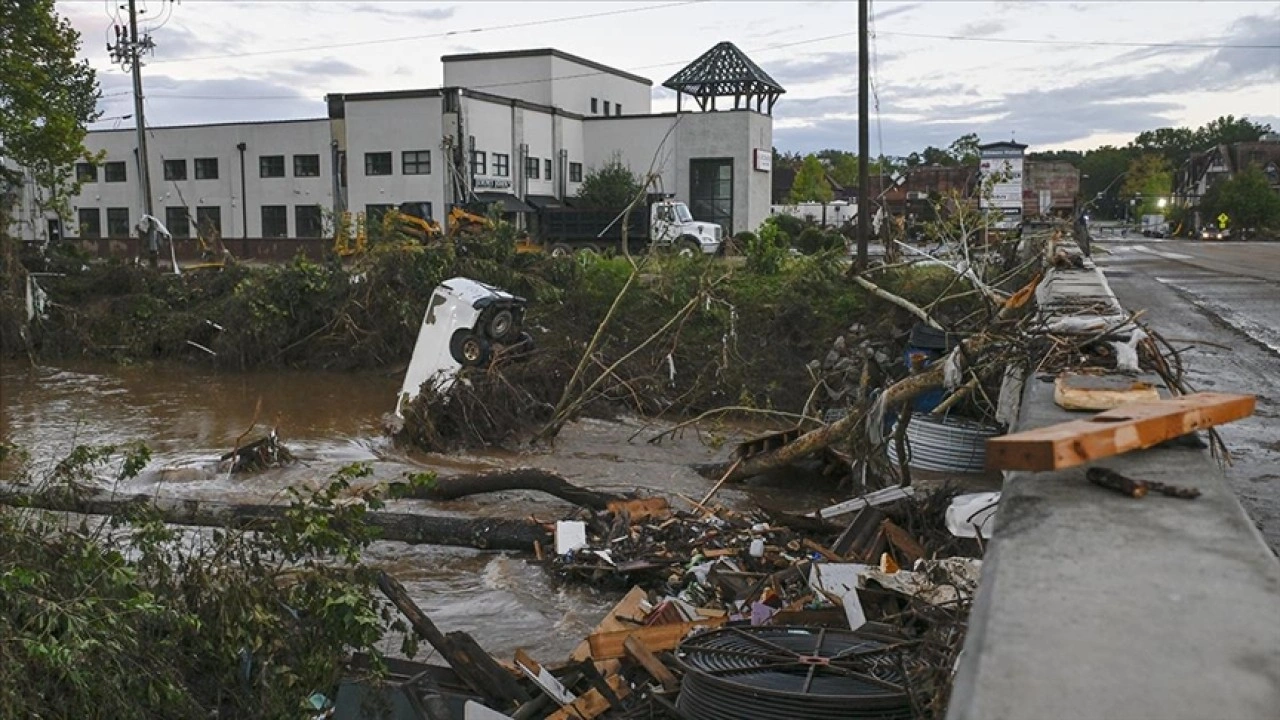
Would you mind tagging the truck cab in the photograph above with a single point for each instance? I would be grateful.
(671, 224)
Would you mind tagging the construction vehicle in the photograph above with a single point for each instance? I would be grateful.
(661, 223)
(408, 220)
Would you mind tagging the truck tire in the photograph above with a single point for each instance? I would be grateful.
(469, 349)
(499, 324)
(560, 250)
(588, 249)
(688, 247)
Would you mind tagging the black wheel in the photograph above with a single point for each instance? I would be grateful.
(689, 248)
(469, 349)
(500, 324)
(560, 250)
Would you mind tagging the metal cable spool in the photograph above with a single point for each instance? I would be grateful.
(768, 672)
(945, 444)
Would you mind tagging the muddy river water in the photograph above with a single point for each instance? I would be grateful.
(190, 416)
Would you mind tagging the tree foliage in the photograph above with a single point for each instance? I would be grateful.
(1149, 181)
(1247, 199)
(612, 185)
(811, 183)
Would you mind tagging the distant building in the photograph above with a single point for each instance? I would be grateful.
(1203, 170)
(520, 129)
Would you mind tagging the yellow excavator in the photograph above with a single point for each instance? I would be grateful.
(350, 240)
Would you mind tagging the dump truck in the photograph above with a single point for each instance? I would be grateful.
(659, 223)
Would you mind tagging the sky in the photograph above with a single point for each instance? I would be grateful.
(1069, 75)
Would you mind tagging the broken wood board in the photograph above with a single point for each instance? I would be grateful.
(1092, 391)
(651, 664)
(592, 703)
(642, 509)
(1133, 427)
(657, 638)
(545, 681)
(628, 609)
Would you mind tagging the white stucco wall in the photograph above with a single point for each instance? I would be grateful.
(286, 138)
(572, 141)
(523, 78)
(394, 125)
(575, 84)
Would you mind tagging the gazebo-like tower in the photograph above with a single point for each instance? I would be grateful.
(724, 71)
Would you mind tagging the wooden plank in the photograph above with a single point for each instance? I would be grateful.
(545, 681)
(592, 703)
(1132, 427)
(628, 607)
(901, 540)
(1086, 391)
(651, 664)
(657, 638)
(642, 509)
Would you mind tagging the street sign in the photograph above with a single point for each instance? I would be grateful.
(1222, 221)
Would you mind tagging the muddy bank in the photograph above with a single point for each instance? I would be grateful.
(747, 341)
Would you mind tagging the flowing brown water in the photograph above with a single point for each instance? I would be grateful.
(191, 416)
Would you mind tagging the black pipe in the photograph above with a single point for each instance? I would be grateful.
(244, 200)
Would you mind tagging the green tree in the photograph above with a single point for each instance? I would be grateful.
(964, 149)
(612, 185)
(1149, 180)
(811, 183)
(1247, 199)
(1173, 144)
(1100, 169)
(844, 168)
(1226, 130)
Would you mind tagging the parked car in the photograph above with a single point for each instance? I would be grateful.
(1213, 233)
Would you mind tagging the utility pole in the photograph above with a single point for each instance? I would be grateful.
(128, 51)
(864, 156)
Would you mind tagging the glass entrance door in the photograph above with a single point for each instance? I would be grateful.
(711, 191)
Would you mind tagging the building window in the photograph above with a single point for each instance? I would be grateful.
(118, 223)
(175, 218)
(575, 172)
(606, 107)
(711, 191)
(275, 221)
(420, 209)
(209, 221)
(479, 163)
(86, 172)
(378, 163)
(415, 162)
(501, 165)
(546, 166)
(531, 167)
(114, 171)
(595, 106)
(90, 223)
(373, 214)
(306, 166)
(206, 168)
(271, 166)
(175, 169)
(617, 109)
(307, 221)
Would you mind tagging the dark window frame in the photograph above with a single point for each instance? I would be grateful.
(547, 168)
(595, 106)
(606, 108)
(95, 226)
(710, 209)
(304, 168)
(114, 222)
(86, 172)
(170, 166)
(501, 165)
(177, 219)
(110, 174)
(575, 172)
(532, 166)
(373, 164)
(373, 213)
(479, 162)
(270, 166)
(617, 109)
(205, 212)
(201, 168)
(283, 218)
(307, 225)
(413, 162)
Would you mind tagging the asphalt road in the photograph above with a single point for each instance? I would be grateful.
(1221, 302)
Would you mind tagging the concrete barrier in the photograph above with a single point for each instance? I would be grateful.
(1093, 605)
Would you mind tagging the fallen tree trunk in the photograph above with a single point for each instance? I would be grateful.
(479, 533)
(459, 486)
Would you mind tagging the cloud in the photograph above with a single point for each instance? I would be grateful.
(327, 66)
(982, 28)
(403, 13)
(819, 67)
(898, 10)
(173, 101)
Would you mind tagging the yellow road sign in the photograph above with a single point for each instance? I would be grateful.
(1222, 221)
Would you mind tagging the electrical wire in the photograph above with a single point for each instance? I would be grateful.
(446, 33)
(1082, 43)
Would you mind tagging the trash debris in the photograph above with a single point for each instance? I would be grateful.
(261, 454)
(973, 515)
(945, 444)
(937, 582)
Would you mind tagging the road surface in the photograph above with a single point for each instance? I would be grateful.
(1220, 301)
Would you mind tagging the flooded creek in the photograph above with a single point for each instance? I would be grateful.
(190, 416)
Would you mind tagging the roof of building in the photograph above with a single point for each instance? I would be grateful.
(1003, 143)
(545, 52)
(723, 70)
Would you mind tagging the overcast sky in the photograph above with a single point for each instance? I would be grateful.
(1067, 81)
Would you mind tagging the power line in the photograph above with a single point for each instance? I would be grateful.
(446, 33)
(1082, 43)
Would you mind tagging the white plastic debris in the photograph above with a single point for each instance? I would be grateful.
(938, 582)
(570, 535)
(969, 515)
(952, 371)
(1127, 352)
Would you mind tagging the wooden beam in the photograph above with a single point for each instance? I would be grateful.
(657, 638)
(1132, 427)
(651, 664)
(592, 703)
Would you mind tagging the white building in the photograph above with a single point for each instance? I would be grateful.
(517, 128)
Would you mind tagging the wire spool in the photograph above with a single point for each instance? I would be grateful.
(945, 444)
(768, 672)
